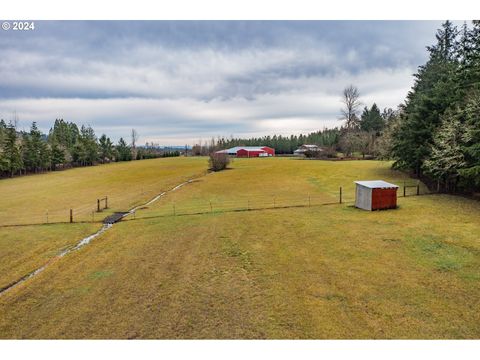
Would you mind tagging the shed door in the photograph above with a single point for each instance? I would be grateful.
(384, 199)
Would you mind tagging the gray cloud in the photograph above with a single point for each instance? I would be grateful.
(179, 81)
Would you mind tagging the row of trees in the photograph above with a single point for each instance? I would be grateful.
(66, 145)
(437, 135)
(360, 133)
(281, 144)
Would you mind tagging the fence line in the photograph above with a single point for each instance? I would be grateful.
(222, 211)
(89, 213)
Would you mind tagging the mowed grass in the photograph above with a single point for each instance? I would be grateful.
(25, 200)
(28, 199)
(26, 248)
(276, 182)
(328, 271)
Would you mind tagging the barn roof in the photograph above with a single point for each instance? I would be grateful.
(376, 184)
(248, 148)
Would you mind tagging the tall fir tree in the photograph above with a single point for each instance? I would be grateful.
(35, 152)
(106, 148)
(123, 150)
(471, 170)
(371, 120)
(433, 92)
(447, 157)
(13, 162)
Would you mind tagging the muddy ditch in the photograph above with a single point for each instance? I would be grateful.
(108, 223)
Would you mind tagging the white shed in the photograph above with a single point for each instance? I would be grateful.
(375, 195)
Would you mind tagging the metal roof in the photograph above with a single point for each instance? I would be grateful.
(236, 148)
(376, 184)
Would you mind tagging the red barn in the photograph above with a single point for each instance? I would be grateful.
(249, 151)
(375, 195)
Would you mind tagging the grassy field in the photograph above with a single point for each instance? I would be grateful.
(260, 183)
(25, 200)
(328, 271)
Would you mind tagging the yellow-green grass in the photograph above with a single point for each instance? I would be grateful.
(28, 199)
(277, 182)
(321, 272)
(24, 249)
(25, 200)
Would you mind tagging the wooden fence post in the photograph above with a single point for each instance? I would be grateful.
(71, 216)
(418, 189)
(211, 208)
(47, 216)
(174, 211)
(106, 202)
(340, 194)
(404, 187)
(98, 205)
(248, 204)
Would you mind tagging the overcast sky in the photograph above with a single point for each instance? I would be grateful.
(180, 81)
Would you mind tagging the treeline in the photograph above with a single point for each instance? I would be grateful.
(281, 144)
(65, 146)
(437, 135)
(360, 135)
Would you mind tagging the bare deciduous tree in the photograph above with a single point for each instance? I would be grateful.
(134, 137)
(352, 103)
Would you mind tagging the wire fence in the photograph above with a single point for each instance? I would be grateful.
(96, 211)
(86, 209)
(192, 207)
(170, 207)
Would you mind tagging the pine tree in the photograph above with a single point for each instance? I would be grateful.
(36, 154)
(124, 153)
(371, 120)
(85, 151)
(12, 162)
(3, 134)
(57, 154)
(105, 148)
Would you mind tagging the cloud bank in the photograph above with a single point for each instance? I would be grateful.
(177, 82)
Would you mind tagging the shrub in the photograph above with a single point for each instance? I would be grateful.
(323, 153)
(218, 162)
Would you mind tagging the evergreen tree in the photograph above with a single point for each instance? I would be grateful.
(35, 153)
(3, 130)
(12, 157)
(124, 153)
(3, 134)
(106, 149)
(447, 157)
(64, 133)
(469, 59)
(85, 151)
(57, 154)
(471, 171)
(433, 92)
(371, 120)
